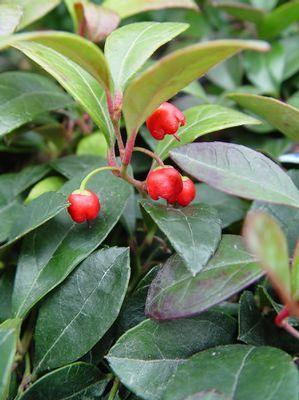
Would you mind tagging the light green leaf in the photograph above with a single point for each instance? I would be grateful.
(10, 17)
(126, 8)
(79, 83)
(94, 144)
(9, 333)
(49, 184)
(146, 357)
(128, 48)
(174, 72)
(33, 9)
(175, 293)
(266, 240)
(239, 372)
(201, 120)
(52, 251)
(237, 170)
(24, 96)
(91, 298)
(282, 116)
(194, 231)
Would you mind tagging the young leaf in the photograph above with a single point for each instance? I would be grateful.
(79, 83)
(10, 17)
(265, 239)
(9, 333)
(128, 48)
(194, 231)
(175, 293)
(99, 283)
(237, 170)
(126, 8)
(282, 116)
(228, 369)
(24, 96)
(201, 120)
(159, 349)
(52, 251)
(76, 48)
(75, 381)
(174, 72)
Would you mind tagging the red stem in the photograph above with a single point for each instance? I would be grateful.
(281, 316)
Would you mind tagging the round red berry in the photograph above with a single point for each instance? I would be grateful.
(164, 182)
(188, 193)
(165, 120)
(84, 206)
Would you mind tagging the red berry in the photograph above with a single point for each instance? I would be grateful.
(188, 193)
(164, 182)
(85, 206)
(165, 120)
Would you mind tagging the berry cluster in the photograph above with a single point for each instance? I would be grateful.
(164, 182)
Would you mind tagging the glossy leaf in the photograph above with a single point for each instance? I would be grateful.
(237, 170)
(9, 332)
(194, 231)
(201, 120)
(145, 357)
(261, 366)
(265, 238)
(282, 116)
(279, 19)
(174, 72)
(70, 165)
(49, 184)
(79, 83)
(10, 17)
(126, 8)
(77, 49)
(24, 96)
(99, 283)
(34, 10)
(44, 262)
(75, 381)
(128, 48)
(175, 293)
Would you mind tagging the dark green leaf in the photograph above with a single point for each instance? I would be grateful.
(6, 288)
(145, 357)
(242, 11)
(194, 231)
(51, 252)
(237, 170)
(69, 166)
(99, 283)
(239, 372)
(175, 293)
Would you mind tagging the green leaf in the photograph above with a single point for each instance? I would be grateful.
(265, 238)
(10, 17)
(266, 71)
(201, 120)
(9, 333)
(279, 19)
(291, 50)
(94, 144)
(11, 186)
(78, 82)
(237, 170)
(77, 49)
(75, 382)
(99, 283)
(174, 72)
(175, 293)
(6, 288)
(228, 75)
(33, 9)
(51, 252)
(279, 114)
(230, 369)
(24, 96)
(194, 231)
(230, 209)
(128, 48)
(49, 184)
(295, 274)
(145, 357)
(70, 165)
(126, 8)
(207, 395)
(241, 11)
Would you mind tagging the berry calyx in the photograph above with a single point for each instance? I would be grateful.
(188, 193)
(165, 120)
(164, 182)
(84, 206)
